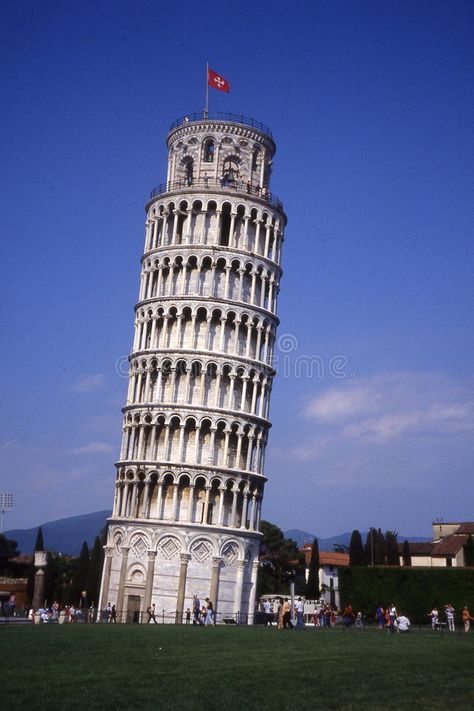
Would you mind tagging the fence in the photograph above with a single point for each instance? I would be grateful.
(223, 183)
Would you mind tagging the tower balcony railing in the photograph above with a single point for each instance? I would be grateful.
(223, 183)
(220, 116)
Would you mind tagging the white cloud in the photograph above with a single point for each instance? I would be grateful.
(94, 448)
(89, 384)
(389, 407)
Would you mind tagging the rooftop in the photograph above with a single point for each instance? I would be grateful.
(201, 116)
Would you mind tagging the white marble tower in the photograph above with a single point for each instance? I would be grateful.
(190, 478)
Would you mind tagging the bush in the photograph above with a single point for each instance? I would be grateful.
(413, 590)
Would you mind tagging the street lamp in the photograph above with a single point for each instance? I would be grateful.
(6, 504)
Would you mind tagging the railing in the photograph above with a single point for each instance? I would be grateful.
(219, 116)
(223, 183)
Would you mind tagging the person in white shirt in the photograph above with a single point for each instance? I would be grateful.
(299, 614)
(403, 623)
(267, 608)
(434, 618)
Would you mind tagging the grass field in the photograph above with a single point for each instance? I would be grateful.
(166, 667)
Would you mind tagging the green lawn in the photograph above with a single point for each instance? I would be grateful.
(166, 667)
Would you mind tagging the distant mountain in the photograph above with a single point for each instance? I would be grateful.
(64, 536)
(327, 544)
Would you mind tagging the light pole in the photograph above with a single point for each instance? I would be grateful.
(6, 504)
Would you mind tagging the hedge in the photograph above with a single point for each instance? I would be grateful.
(413, 590)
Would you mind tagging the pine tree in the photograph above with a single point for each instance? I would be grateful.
(406, 553)
(391, 548)
(356, 549)
(312, 586)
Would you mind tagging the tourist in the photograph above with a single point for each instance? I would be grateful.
(348, 616)
(113, 614)
(280, 614)
(209, 620)
(299, 614)
(151, 614)
(107, 611)
(380, 617)
(286, 614)
(466, 618)
(403, 623)
(393, 614)
(449, 612)
(267, 612)
(196, 610)
(434, 618)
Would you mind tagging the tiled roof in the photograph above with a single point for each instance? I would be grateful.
(333, 558)
(450, 545)
(326, 557)
(466, 528)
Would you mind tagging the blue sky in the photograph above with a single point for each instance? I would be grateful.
(371, 105)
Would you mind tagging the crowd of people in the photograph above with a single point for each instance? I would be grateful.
(63, 614)
(278, 612)
(450, 613)
(201, 614)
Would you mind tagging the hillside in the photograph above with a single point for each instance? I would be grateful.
(65, 535)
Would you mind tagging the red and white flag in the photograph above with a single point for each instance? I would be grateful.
(217, 82)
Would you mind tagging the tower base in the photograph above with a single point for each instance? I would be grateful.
(163, 564)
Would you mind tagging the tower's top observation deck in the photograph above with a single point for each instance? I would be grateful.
(220, 151)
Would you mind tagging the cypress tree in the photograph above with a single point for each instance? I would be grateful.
(375, 549)
(391, 548)
(80, 578)
(406, 553)
(312, 586)
(39, 545)
(356, 549)
(94, 572)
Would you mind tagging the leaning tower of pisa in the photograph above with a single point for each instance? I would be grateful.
(190, 479)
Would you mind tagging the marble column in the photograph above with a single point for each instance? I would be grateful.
(214, 591)
(238, 589)
(149, 579)
(121, 588)
(184, 559)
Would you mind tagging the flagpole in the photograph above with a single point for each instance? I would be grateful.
(206, 110)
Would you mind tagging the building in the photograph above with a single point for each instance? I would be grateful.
(190, 478)
(329, 564)
(445, 550)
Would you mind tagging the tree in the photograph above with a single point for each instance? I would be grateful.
(8, 550)
(39, 545)
(356, 549)
(280, 562)
(406, 553)
(94, 572)
(469, 552)
(374, 552)
(312, 585)
(80, 578)
(391, 548)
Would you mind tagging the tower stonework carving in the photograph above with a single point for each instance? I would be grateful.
(190, 477)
